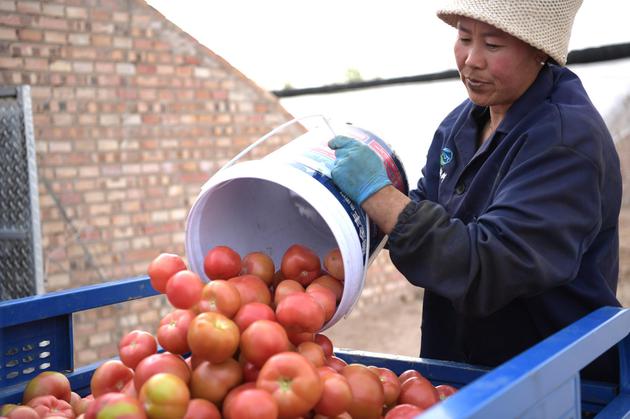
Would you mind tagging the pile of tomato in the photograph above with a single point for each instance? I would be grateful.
(246, 344)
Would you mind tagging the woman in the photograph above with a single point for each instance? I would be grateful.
(513, 228)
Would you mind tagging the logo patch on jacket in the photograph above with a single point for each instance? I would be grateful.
(445, 158)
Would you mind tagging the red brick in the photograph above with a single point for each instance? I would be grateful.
(7, 5)
(9, 62)
(32, 7)
(25, 34)
(53, 9)
(76, 12)
(55, 37)
(101, 40)
(100, 15)
(142, 44)
(8, 34)
(51, 23)
(36, 64)
(10, 20)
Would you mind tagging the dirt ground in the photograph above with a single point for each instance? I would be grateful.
(393, 326)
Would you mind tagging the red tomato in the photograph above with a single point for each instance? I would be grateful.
(222, 262)
(110, 405)
(162, 268)
(200, 408)
(183, 290)
(135, 346)
(213, 337)
(261, 340)
(172, 331)
(300, 312)
(301, 264)
(390, 382)
(232, 394)
(333, 264)
(292, 381)
(332, 284)
(50, 406)
(277, 278)
(335, 363)
(79, 404)
(418, 391)
(259, 264)
(220, 296)
(19, 412)
(313, 352)
(344, 415)
(47, 383)
(110, 376)
(408, 374)
(325, 298)
(336, 394)
(250, 371)
(129, 389)
(251, 312)
(367, 392)
(298, 337)
(325, 343)
(284, 288)
(253, 403)
(404, 411)
(161, 362)
(164, 396)
(445, 391)
(251, 288)
(212, 381)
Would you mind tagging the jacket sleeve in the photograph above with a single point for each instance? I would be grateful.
(545, 213)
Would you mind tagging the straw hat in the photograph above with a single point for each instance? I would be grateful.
(543, 24)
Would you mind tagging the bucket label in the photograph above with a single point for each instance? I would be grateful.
(356, 214)
(310, 153)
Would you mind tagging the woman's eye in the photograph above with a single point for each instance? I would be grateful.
(492, 47)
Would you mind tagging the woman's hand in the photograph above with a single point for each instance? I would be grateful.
(357, 171)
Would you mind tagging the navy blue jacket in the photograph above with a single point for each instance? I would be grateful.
(519, 238)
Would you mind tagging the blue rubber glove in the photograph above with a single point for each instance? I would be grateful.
(357, 171)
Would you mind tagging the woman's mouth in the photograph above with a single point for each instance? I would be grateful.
(475, 84)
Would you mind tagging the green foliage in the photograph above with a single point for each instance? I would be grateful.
(353, 75)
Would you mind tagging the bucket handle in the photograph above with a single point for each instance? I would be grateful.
(270, 134)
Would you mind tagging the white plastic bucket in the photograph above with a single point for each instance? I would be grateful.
(288, 197)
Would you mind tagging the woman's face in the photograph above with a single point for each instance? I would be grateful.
(495, 67)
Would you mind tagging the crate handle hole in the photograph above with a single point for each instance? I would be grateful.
(44, 354)
(27, 347)
(11, 351)
(12, 375)
(44, 343)
(27, 359)
(28, 370)
(44, 366)
(12, 363)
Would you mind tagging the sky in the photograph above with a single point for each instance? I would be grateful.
(277, 43)
(305, 44)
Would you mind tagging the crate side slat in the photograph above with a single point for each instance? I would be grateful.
(527, 378)
(24, 310)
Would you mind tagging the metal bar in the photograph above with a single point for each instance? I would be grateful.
(13, 234)
(581, 56)
(52, 304)
(527, 378)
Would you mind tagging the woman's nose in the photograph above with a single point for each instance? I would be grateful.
(475, 57)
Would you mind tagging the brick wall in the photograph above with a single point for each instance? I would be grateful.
(131, 116)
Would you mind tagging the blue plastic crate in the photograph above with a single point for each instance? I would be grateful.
(542, 382)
